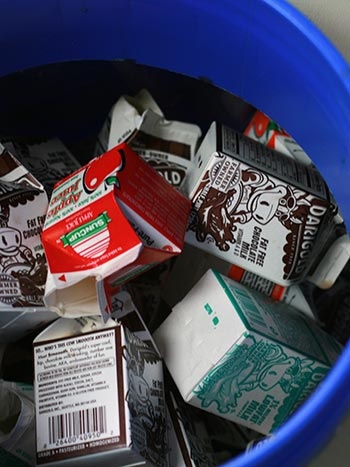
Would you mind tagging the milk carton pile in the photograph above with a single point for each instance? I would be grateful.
(171, 290)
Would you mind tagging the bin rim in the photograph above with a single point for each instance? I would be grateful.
(328, 403)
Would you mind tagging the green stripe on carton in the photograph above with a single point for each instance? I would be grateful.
(232, 299)
(85, 231)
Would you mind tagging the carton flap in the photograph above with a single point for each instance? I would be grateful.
(76, 300)
(12, 171)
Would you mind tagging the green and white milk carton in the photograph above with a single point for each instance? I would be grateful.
(233, 352)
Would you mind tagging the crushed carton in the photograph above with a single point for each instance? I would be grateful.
(169, 146)
(99, 397)
(115, 217)
(23, 269)
(49, 160)
(257, 209)
(233, 352)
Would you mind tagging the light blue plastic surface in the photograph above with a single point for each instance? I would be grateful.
(263, 51)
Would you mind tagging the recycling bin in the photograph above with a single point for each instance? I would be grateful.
(264, 51)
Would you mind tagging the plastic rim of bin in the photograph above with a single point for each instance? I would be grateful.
(264, 51)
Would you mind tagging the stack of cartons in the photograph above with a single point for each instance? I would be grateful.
(240, 363)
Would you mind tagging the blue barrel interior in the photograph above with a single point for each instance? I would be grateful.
(263, 51)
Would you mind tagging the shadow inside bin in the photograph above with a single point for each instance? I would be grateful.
(71, 100)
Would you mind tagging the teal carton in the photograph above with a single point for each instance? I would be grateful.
(233, 352)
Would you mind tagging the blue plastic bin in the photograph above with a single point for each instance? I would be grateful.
(261, 50)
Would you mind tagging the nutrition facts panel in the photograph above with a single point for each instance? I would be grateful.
(77, 404)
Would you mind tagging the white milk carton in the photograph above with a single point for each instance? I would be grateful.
(256, 208)
(233, 352)
(167, 145)
(99, 397)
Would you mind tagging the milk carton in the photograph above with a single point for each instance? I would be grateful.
(168, 145)
(257, 209)
(113, 218)
(23, 269)
(261, 128)
(99, 397)
(49, 160)
(190, 266)
(233, 352)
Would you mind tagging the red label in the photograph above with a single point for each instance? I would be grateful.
(108, 208)
(263, 129)
(89, 237)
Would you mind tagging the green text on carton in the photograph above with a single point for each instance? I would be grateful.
(234, 353)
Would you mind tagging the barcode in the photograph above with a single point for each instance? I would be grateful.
(73, 424)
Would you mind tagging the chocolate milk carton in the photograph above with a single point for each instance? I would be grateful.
(233, 352)
(255, 208)
(49, 160)
(99, 397)
(23, 269)
(167, 145)
(193, 263)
